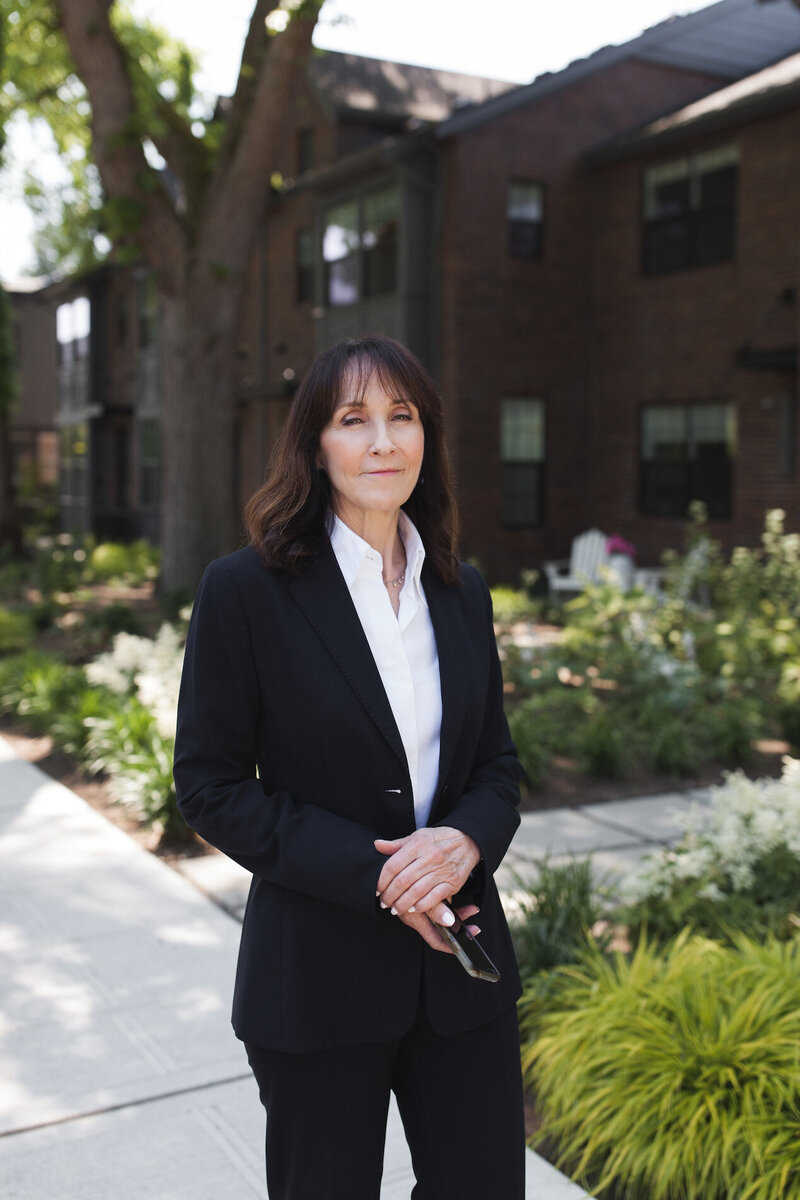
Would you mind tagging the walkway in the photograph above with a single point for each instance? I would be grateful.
(119, 1074)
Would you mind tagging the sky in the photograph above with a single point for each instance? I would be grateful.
(503, 39)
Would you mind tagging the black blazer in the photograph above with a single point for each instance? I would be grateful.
(288, 759)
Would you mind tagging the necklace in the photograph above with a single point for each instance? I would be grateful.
(398, 582)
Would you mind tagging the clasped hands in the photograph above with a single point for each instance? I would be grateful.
(422, 871)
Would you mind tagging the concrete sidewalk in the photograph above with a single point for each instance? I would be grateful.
(119, 1074)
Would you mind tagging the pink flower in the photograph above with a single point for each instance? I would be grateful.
(618, 545)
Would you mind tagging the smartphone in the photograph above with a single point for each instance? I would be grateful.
(468, 951)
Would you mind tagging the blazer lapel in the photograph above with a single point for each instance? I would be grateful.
(451, 645)
(322, 594)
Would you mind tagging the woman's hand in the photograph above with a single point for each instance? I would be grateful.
(424, 869)
(426, 929)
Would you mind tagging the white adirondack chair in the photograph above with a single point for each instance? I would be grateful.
(587, 555)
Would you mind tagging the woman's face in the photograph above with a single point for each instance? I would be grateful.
(372, 451)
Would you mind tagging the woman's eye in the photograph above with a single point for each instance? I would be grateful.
(351, 421)
(404, 416)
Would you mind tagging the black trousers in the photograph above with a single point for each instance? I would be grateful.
(460, 1099)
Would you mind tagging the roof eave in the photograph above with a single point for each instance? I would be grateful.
(651, 139)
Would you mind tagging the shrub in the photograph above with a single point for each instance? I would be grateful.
(737, 866)
(602, 747)
(37, 687)
(551, 918)
(132, 562)
(16, 630)
(143, 782)
(512, 604)
(674, 1074)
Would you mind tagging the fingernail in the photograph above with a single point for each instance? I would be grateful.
(394, 912)
(383, 905)
(448, 918)
(378, 895)
(412, 909)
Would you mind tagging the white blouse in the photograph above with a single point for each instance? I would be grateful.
(404, 649)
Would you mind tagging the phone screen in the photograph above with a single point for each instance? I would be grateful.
(469, 952)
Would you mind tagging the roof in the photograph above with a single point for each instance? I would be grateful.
(775, 88)
(397, 91)
(730, 39)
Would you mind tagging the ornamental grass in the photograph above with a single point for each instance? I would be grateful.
(673, 1074)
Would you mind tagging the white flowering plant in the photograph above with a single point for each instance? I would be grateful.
(148, 668)
(736, 866)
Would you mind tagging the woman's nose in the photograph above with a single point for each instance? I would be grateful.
(381, 441)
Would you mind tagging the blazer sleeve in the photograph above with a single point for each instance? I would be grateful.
(298, 846)
(487, 809)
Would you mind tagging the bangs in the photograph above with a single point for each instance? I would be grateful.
(400, 383)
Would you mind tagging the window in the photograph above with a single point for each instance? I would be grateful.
(522, 450)
(305, 150)
(690, 211)
(74, 466)
(340, 251)
(359, 247)
(525, 217)
(687, 454)
(379, 241)
(73, 331)
(73, 326)
(304, 266)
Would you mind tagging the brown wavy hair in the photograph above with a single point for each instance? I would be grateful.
(288, 518)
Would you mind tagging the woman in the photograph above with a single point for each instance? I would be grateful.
(341, 734)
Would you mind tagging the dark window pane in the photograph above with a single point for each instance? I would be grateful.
(380, 259)
(714, 233)
(712, 482)
(719, 187)
(525, 239)
(666, 246)
(522, 495)
(690, 212)
(687, 454)
(664, 489)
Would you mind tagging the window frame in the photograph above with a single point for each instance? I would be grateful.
(695, 470)
(513, 466)
(514, 226)
(358, 255)
(695, 224)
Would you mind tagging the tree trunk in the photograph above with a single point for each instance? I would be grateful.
(10, 528)
(200, 521)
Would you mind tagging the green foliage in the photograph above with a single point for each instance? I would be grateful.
(130, 562)
(552, 916)
(16, 630)
(602, 747)
(669, 683)
(513, 604)
(108, 733)
(39, 79)
(737, 865)
(36, 687)
(673, 1074)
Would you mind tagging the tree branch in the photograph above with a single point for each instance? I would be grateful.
(128, 180)
(239, 189)
(255, 46)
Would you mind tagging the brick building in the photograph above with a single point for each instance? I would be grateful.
(513, 243)
(600, 269)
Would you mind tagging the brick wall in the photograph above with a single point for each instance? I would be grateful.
(674, 337)
(524, 327)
